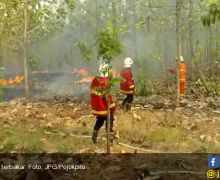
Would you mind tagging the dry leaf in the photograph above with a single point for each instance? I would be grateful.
(192, 127)
(137, 117)
(49, 125)
(202, 137)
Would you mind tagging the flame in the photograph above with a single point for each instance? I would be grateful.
(17, 80)
(84, 80)
(87, 79)
(81, 72)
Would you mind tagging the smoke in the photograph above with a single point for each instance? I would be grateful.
(152, 45)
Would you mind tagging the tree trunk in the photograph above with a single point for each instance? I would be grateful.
(134, 35)
(108, 125)
(217, 50)
(178, 47)
(24, 47)
(191, 48)
(210, 52)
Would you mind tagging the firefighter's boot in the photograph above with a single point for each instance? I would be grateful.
(128, 106)
(94, 136)
(123, 105)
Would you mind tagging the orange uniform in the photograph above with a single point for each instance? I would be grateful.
(127, 86)
(182, 77)
(98, 101)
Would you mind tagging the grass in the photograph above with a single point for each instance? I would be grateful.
(156, 130)
(161, 133)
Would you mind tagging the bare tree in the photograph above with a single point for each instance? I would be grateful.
(178, 43)
(191, 48)
(24, 48)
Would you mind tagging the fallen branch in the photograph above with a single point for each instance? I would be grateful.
(217, 112)
(83, 117)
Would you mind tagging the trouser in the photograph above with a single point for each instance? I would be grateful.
(128, 99)
(182, 88)
(100, 121)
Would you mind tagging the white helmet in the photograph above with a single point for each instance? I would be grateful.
(103, 68)
(181, 59)
(128, 62)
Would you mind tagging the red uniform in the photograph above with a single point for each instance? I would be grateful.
(127, 86)
(98, 101)
(182, 77)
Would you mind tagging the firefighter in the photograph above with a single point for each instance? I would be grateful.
(182, 76)
(127, 85)
(99, 102)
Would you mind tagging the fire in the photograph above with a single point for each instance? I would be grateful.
(87, 79)
(84, 80)
(81, 72)
(17, 80)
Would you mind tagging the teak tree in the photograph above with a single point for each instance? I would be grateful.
(109, 46)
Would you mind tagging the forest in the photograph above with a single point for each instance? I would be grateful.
(50, 53)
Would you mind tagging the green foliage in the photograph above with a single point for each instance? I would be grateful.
(33, 63)
(140, 24)
(213, 13)
(143, 85)
(62, 148)
(108, 42)
(44, 19)
(142, 78)
(85, 51)
(10, 144)
(71, 3)
(111, 84)
(109, 46)
(214, 87)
